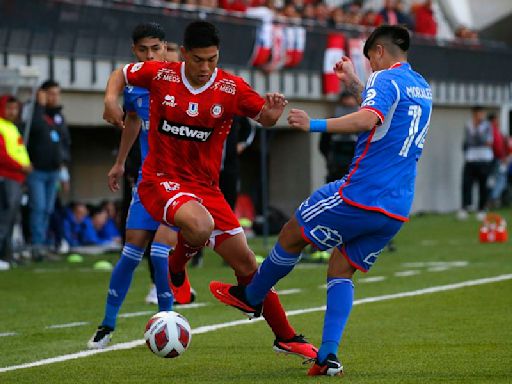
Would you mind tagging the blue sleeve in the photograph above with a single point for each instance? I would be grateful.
(109, 231)
(89, 234)
(128, 105)
(380, 93)
(67, 230)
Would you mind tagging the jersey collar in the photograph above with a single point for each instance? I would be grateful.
(399, 64)
(196, 91)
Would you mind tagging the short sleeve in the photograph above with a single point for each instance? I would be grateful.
(380, 94)
(248, 102)
(128, 105)
(141, 74)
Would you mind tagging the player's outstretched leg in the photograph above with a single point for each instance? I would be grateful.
(120, 281)
(287, 341)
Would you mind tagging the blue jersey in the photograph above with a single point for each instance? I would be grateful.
(383, 172)
(136, 100)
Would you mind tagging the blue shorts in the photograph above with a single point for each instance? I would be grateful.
(327, 221)
(138, 217)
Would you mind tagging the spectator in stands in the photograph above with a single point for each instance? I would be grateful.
(308, 12)
(478, 158)
(353, 13)
(370, 18)
(14, 166)
(392, 13)
(234, 5)
(290, 11)
(501, 153)
(425, 22)
(338, 149)
(337, 17)
(466, 34)
(49, 150)
(322, 14)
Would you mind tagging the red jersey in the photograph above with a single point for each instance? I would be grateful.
(188, 126)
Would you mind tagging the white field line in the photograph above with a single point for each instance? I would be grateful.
(291, 291)
(406, 273)
(5, 334)
(214, 327)
(372, 279)
(68, 325)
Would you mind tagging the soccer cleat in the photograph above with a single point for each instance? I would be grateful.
(181, 289)
(234, 296)
(297, 345)
(152, 297)
(101, 338)
(331, 366)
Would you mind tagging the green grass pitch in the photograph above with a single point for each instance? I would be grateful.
(459, 335)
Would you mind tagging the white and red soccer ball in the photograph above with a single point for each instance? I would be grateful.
(168, 334)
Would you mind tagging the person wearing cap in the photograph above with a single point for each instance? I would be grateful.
(360, 213)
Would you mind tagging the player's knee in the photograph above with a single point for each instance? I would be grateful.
(291, 238)
(199, 229)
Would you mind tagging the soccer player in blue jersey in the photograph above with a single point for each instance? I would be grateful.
(148, 44)
(360, 213)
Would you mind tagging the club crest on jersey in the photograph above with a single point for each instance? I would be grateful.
(136, 67)
(193, 109)
(139, 102)
(169, 101)
(170, 186)
(216, 110)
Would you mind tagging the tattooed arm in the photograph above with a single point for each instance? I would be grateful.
(344, 70)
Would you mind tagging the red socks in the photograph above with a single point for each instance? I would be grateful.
(273, 312)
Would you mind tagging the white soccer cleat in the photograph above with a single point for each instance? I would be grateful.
(152, 298)
(101, 338)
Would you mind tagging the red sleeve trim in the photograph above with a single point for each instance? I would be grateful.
(376, 111)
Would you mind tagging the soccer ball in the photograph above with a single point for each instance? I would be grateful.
(168, 334)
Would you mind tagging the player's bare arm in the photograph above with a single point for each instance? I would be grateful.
(113, 113)
(272, 109)
(357, 122)
(130, 132)
(344, 70)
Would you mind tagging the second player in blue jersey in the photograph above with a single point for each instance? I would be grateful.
(357, 215)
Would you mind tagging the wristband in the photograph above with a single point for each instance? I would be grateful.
(318, 125)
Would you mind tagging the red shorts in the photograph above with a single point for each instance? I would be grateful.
(162, 199)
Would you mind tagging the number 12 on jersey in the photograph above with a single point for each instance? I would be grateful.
(415, 112)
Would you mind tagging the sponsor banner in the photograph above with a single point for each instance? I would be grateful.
(333, 53)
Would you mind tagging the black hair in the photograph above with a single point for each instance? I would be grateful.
(477, 108)
(144, 30)
(397, 34)
(491, 116)
(200, 34)
(12, 99)
(50, 83)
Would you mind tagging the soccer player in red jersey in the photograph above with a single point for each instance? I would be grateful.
(192, 104)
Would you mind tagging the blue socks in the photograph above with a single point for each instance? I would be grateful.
(159, 258)
(120, 281)
(276, 266)
(340, 296)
